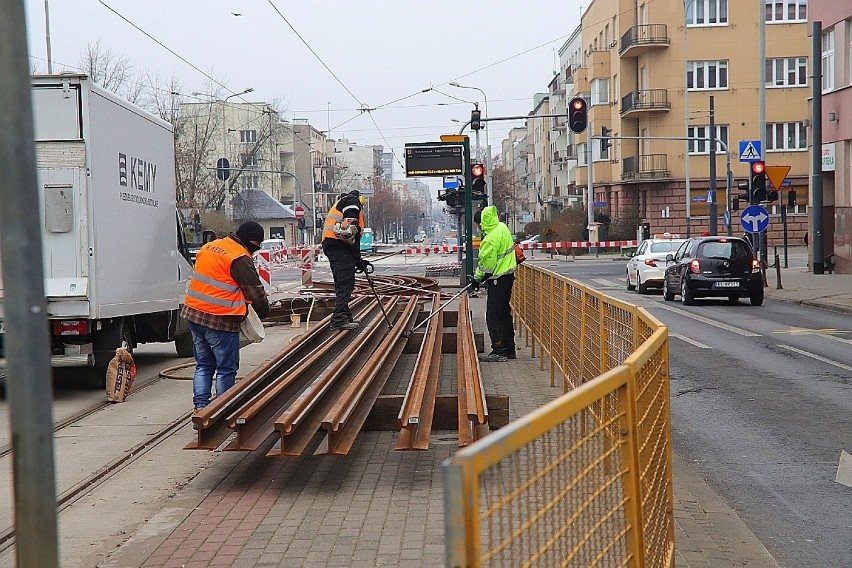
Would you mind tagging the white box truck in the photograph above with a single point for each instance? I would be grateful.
(115, 263)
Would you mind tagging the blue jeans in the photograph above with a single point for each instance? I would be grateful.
(215, 352)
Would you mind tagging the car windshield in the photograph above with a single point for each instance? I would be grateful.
(728, 250)
(665, 246)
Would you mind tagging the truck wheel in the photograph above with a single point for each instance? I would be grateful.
(183, 345)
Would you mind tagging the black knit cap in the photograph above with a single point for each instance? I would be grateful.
(250, 231)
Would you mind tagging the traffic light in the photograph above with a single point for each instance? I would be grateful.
(791, 198)
(605, 142)
(578, 115)
(475, 119)
(758, 182)
(478, 188)
(741, 196)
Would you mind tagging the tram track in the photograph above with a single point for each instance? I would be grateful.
(68, 497)
(6, 449)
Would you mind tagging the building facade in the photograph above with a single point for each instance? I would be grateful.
(309, 158)
(836, 120)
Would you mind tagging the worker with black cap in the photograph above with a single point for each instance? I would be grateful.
(225, 281)
(341, 244)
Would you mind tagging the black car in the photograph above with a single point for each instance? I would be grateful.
(713, 267)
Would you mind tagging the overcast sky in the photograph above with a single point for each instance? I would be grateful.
(380, 50)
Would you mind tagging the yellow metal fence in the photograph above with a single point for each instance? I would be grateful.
(585, 480)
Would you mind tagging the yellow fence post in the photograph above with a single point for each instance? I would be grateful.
(631, 463)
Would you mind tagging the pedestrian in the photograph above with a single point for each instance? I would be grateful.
(341, 244)
(496, 268)
(224, 282)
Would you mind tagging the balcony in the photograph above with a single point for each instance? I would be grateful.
(557, 86)
(645, 166)
(558, 123)
(599, 62)
(648, 100)
(640, 39)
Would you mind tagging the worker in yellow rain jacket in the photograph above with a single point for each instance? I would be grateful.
(496, 269)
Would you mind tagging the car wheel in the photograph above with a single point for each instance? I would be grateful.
(629, 285)
(643, 288)
(686, 297)
(756, 297)
(733, 299)
(668, 295)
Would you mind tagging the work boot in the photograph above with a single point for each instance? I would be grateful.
(353, 320)
(492, 358)
(343, 326)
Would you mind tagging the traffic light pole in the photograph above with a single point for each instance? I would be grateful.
(468, 215)
(711, 194)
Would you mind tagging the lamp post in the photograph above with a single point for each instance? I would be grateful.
(686, 5)
(47, 37)
(487, 142)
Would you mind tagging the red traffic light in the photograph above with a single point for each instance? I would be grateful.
(758, 168)
(477, 170)
(578, 103)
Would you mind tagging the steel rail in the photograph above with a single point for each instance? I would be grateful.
(418, 406)
(300, 421)
(472, 408)
(211, 423)
(254, 421)
(345, 419)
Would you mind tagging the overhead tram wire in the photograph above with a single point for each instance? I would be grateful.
(167, 48)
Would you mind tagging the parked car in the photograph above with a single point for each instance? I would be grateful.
(646, 267)
(531, 241)
(713, 267)
(272, 244)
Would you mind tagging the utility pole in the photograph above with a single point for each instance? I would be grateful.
(711, 194)
(817, 251)
(761, 111)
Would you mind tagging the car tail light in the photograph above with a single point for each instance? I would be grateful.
(755, 265)
(695, 266)
(651, 262)
(70, 327)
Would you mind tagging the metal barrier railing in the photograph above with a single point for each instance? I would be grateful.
(585, 480)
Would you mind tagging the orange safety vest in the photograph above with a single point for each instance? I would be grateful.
(334, 216)
(212, 289)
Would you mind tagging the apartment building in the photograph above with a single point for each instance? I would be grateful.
(513, 153)
(309, 147)
(836, 21)
(648, 70)
(538, 155)
(566, 191)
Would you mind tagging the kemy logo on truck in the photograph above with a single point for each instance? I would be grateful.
(142, 177)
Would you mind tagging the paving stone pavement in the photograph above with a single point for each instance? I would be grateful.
(376, 506)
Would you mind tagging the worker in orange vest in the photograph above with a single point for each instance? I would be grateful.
(341, 244)
(225, 281)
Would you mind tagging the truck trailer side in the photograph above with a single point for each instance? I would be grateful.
(115, 263)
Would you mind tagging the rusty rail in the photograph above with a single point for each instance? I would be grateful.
(254, 421)
(418, 406)
(298, 423)
(211, 423)
(473, 410)
(346, 418)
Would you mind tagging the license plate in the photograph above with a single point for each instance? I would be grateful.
(726, 284)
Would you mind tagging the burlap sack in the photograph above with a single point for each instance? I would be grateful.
(120, 374)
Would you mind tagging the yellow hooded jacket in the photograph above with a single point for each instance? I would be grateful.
(497, 249)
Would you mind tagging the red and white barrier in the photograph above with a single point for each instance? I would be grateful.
(306, 264)
(262, 259)
(532, 246)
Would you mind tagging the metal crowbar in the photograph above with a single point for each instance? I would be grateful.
(407, 334)
(367, 271)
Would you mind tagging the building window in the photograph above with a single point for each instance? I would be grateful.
(786, 136)
(248, 160)
(703, 132)
(828, 61)
(248, 136)
(581, 154)
(250, 181)
(707, 13)
(600, 92)
(706, 75)
(787, 72)
(786, 10)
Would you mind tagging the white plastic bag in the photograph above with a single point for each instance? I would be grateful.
(251, 329)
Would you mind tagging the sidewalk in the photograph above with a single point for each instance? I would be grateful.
(378, 507)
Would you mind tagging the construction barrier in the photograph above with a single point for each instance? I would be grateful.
(555, 245)
(262, 259)
(585, 480)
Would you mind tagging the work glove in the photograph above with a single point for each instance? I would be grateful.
(473, 283)
(364, 266)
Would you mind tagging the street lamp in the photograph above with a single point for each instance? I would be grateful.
(487, 141)
(686, 5)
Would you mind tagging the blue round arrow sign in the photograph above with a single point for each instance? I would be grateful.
(754, 219)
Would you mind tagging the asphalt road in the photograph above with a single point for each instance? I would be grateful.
(762, 408)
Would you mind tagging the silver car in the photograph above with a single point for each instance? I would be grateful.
(647, 266)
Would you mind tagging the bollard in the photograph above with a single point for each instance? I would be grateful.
(778, 286)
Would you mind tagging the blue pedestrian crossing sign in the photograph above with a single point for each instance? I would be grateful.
(750, 151)
(754, 219)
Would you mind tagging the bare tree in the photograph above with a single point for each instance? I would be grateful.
(111, 71)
